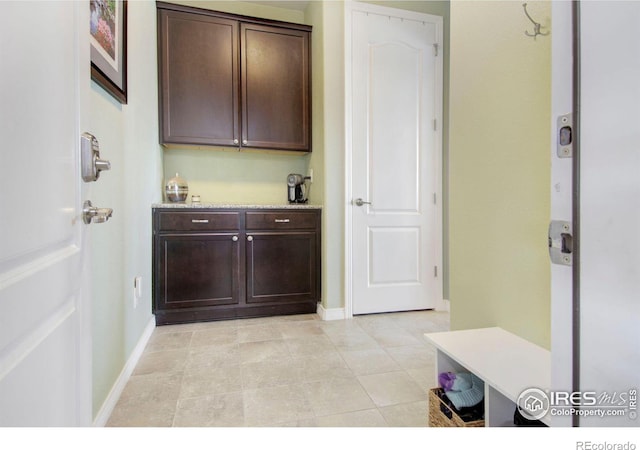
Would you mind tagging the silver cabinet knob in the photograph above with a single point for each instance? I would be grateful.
(249, 238)
(91, 214)
(235, 141)
(234, 239)
(360, 202)
(245, 142)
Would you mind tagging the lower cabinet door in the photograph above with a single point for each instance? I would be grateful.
(281, 267)
(198, 270)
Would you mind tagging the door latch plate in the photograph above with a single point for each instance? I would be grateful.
(561, 242)
(565, 136)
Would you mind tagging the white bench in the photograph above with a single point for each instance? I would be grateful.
(508, 365)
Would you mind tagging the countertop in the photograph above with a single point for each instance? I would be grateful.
(204, 205)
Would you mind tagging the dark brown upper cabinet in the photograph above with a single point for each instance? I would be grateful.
(233, 81)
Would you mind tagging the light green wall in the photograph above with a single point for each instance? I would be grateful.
(121, 248)
(315, 17)
(331, 293)
(328, 124)
(499, 173)
(232, 176)
(252, 9)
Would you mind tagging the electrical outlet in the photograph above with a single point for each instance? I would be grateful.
(310, 175)
(137, 291)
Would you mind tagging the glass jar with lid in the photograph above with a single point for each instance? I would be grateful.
(176, 189)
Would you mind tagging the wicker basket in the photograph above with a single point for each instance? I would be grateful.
(438, 419)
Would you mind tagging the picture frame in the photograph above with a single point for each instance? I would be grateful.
(108, 42)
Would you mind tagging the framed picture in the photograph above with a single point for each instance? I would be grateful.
(108, 37)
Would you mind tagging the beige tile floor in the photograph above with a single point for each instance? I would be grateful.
(372, 370)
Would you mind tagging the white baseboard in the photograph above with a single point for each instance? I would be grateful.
(331, 313)
(444, 305)
(109, 404)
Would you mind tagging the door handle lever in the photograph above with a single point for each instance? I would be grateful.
(91, 214)
(360, 202)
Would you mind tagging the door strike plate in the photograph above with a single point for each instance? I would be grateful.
(561, 242)
(565, 136)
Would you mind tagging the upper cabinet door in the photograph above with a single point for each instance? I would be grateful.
(198, 60)
(275, 88)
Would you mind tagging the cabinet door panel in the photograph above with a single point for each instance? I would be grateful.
(275, 88)
(198, 58)
(198, 270)
(281, 267)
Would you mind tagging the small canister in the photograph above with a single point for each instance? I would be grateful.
(176, 189)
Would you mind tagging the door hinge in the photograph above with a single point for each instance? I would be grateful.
(435, 199)
(435, 49)
(435, 124)
(435, 271)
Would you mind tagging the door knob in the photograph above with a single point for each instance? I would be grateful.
(91, 214)
(91, 163)
(360, 202)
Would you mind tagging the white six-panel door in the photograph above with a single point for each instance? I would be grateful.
(395, 102)
(45, 359)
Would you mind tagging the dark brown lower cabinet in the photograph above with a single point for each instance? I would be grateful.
(281, 267)
(211, 264)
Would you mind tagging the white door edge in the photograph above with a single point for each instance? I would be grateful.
(85, 342)
(561, 203)
(349, 7)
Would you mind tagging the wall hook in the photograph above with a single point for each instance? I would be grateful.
(536, 25)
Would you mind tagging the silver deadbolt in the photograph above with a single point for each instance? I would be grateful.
(360, 202)
(91, 163)
(561, 242)
(91, 214)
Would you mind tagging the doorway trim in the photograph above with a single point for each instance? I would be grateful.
(349, 7)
